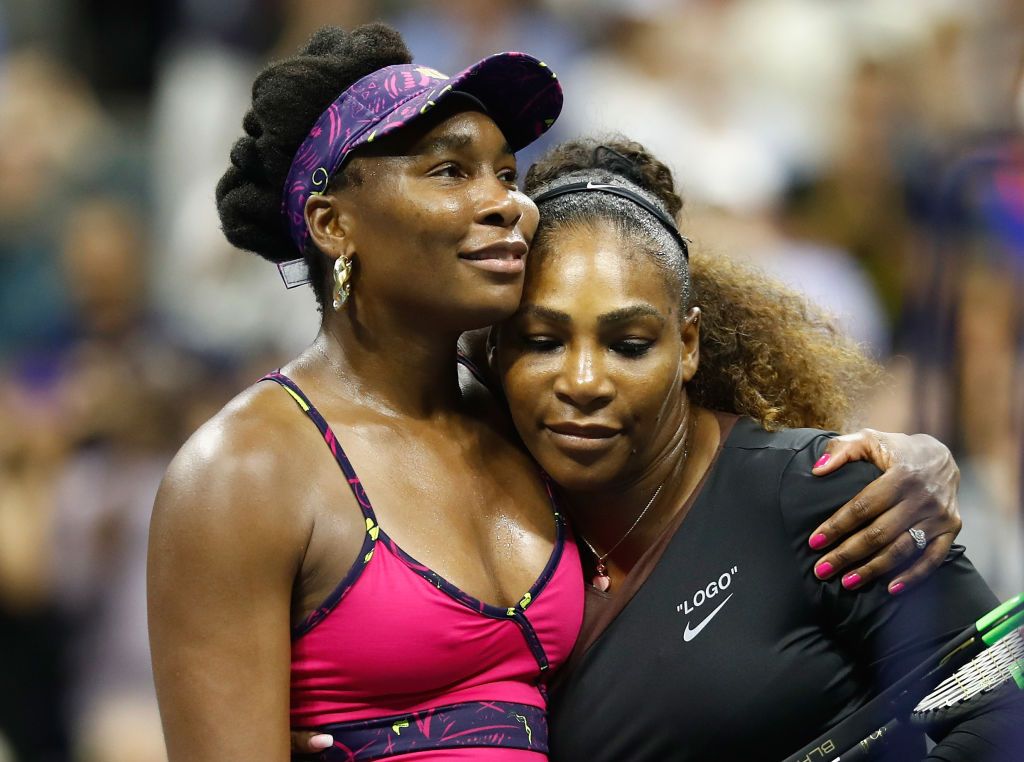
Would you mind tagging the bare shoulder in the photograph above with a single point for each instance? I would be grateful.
(236, 474)
(225, 547)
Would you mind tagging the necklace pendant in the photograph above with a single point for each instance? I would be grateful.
(601, 580)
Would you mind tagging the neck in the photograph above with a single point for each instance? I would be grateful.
(396, 370)
(603, 517)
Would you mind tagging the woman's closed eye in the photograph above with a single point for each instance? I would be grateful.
(632, 347)
(540, 343)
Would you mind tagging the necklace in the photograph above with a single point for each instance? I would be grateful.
(601, 580)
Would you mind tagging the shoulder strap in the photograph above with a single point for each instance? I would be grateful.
(332, 441)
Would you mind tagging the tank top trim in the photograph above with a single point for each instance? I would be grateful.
(375, 534)
(372, 530)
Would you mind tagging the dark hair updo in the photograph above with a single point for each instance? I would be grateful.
(287, 98)
(765, 351)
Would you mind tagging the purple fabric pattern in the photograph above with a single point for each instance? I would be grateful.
(473, 724)
(520, 93)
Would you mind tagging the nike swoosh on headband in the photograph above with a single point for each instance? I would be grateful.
(619, 190)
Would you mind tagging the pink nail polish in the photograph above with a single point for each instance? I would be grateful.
(823, 569)
(818, 542)
(822, 460)
(851, 580)
(896, 588)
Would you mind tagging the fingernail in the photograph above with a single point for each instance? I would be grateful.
(823, 569)
(322, 741)
(851, 580)
(819, 541)
(896, 588)
(822, 460)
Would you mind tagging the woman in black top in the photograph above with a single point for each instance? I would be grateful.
(709, 633)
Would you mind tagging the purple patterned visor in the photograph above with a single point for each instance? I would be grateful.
(520, 93)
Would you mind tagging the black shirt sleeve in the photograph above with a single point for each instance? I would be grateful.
(891, 635)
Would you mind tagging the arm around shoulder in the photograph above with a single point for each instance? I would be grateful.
(223, 555)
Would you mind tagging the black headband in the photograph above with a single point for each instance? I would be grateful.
(618, 190)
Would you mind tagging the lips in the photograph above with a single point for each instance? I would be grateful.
(582, 441)
(501, 257)
(583, 430)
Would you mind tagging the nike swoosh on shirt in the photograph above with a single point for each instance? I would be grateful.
(689, 634)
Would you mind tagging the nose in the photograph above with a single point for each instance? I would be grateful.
(583, 382)
(498, 204)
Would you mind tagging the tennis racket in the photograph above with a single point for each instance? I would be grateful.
(984, 658)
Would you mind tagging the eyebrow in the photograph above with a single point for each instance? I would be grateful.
(454, 142)
(622, 315)
(546, 313)
(629, 313)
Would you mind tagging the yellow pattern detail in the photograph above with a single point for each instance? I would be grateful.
(511, 611)
(297, 398)
(397, 727)
(525, 601)
(427, 71)
(367, 557)
(529, 730)
(372, 529)
(372, 136)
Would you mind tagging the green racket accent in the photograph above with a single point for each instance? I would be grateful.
(1004, 629)
(997, 612)
(1017, 672)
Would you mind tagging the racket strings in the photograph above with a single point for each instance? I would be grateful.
(989, 670)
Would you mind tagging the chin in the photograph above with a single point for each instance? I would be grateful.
(493, 308)
(578, 475)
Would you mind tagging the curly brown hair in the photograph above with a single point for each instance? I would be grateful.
(765, 350)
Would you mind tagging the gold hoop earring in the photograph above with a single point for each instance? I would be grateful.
(342, 285)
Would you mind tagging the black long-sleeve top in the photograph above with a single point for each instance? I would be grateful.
(723, 645)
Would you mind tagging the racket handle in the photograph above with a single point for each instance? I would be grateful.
(870, 746)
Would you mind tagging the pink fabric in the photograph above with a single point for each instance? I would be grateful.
(394, 638)
(395, 643)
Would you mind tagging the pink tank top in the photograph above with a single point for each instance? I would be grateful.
(399, 662)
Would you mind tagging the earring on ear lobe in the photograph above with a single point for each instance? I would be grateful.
(342, 277)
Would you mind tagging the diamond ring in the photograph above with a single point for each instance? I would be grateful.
(919, 538)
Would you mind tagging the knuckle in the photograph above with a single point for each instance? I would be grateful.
(912, 575)
(860, 509)
(875, 536)
(840, 557)
(833, 527)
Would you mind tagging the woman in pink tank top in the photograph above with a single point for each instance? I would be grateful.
(418, 612)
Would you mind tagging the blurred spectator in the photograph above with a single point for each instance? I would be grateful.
(32, 633)
(213, 297)
(52, 136)
(449, 35)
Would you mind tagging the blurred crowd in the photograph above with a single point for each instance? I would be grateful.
(870, 152)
